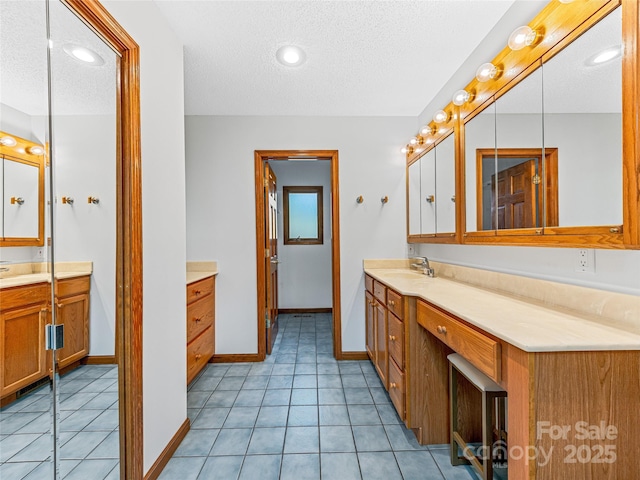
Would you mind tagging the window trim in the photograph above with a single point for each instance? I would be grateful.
(319, 240)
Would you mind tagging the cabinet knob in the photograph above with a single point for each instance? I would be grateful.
(441, 329)
(198, 356)
(392, 338)
(392, 303)
(197, 319)
(197, 292)
(393, 385)
(614, 230)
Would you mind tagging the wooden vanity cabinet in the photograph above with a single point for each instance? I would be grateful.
(72, 311)
(200, 325)
(23, 316)
(385, 311)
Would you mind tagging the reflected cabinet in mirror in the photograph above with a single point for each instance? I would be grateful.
(547, 144)
(21, 192)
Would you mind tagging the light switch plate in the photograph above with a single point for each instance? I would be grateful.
(411, 249)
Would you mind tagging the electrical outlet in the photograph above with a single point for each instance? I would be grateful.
(586, 261)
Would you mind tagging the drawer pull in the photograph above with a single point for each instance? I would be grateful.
(441, 329)
(393, 385)
(197, 319)
(198, 356)
(197, 292)
(392, 338)
(392, 303)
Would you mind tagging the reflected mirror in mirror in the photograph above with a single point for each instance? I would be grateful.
(582, 119)
(21, 198)
(428, 192)
(414, 197)
(446, 185)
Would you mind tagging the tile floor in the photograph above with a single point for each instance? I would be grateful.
(301, 415)
(298, 415)
(89, 444)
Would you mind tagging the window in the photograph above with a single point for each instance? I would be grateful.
(302, 215)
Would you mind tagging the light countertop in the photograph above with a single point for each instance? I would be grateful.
(526, 324)
(32, 273)
(200, 270)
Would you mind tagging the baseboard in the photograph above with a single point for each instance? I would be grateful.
(99, 360)
(354, 356)
(236, 358)
(156, 469)
(305, 310)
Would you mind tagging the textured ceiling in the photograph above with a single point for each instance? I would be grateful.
(77, 88)
(363, 57)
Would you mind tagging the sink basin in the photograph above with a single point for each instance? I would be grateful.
(406, 274)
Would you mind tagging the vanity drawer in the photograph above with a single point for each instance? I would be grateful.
(199, 316)
(73, 286)
(396, 340)
(368, 283)
(394, 303)
(396, 388)
(482, 351)
(380, 292)
(199, 352)
(199, 289)
(23, 295)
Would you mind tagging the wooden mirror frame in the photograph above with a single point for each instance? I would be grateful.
(128, 233)
(566, 22)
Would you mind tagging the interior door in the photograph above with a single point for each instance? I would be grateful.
(518, 198)
(271, 255)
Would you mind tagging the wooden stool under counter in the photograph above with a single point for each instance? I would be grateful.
(491, 392)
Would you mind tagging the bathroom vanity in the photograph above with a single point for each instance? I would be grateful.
(201, 278)
(25, 310)
(568, 357)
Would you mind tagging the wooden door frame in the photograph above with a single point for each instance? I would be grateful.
(260, 157)
(129, 233)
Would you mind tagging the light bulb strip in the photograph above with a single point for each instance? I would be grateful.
(21, 148)
(559, 19)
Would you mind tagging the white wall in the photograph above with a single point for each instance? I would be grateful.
(304, 272)
(221, 206)
(84, 164)
(163, 191)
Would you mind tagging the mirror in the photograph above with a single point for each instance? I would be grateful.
(583, 120)
(446, 185)
(428, 193)
(22, 187)
(414, 196)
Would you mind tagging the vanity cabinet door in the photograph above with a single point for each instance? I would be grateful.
(382, 352)
(370, 326)
(22, 347)
(73, 313)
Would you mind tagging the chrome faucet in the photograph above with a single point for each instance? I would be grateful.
(424, 265)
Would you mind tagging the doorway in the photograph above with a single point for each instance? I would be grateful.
(267, 263)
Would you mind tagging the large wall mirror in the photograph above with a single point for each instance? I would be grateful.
(548, 140)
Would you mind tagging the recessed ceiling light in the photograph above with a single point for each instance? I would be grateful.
(291, 56)
(605, 55)
(83, 54)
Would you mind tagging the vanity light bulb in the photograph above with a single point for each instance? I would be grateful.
(8, 141)
(413, 141)
(404, 150)
(565, 1)
(486, 72)
(440, 116)
(461, 97)
(426, 130)
(522, 37)
(36, 150)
